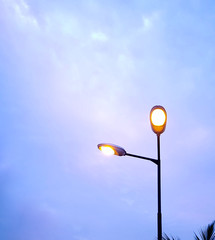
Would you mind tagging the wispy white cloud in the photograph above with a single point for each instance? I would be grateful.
(99, 36)
(150, 21)
(20, 12)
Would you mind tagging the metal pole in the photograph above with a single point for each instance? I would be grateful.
(145, 158)
(159, 216)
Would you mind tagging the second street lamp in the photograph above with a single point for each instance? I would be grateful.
(158, 119)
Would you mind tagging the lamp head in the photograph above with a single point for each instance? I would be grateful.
(111, 149)
(158, 118)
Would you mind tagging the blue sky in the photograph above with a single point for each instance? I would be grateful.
(78, 73)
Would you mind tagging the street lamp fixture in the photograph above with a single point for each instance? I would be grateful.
(158, 119)
(111, 149)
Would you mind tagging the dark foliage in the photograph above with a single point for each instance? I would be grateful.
(165, 237)
(207, 234)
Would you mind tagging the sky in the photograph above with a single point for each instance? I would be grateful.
(74, 74)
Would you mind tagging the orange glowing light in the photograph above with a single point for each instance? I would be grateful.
(107, 150)
(158, 117)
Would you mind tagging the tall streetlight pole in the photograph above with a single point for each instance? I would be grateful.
(159, 192)
(158, 118)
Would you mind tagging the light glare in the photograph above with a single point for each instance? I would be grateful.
(107, 150)
(158, 117)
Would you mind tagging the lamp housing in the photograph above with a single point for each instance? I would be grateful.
(111, 149)
(158, 119)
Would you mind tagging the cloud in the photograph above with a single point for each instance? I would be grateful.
(19, 11)
(149, 21)
(99, 36)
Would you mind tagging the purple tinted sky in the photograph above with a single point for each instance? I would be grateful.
(77, 73)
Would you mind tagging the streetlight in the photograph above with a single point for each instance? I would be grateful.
(158, 119)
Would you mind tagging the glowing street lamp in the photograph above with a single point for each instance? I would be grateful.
(158, 119)
(111, 149)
